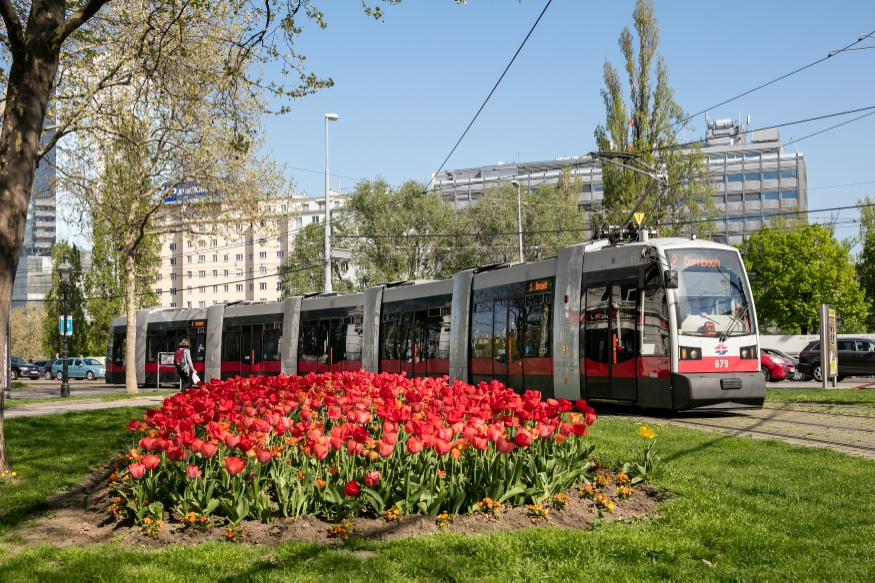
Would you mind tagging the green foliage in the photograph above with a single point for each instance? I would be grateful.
(304, 271)
(26, 331)
(793, 268)
(647, 128)
(866, 260)
(78, 341)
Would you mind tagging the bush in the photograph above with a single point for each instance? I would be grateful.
(338, 444)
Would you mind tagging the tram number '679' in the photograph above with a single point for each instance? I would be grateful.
(721, 363)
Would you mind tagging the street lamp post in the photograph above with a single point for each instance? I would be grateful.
(328, 117)
(519, 216)
(65, 270)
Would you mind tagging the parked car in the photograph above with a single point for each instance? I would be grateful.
(19, 367)
(797, 374)
(46, 369)
(775, 368)
(856, 357)
(79, 368)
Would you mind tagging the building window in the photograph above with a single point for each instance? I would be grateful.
(279, 224)
(188, 259)
(172, 304)
(770, 196)
(251, 271)
(315, 218)
(239, 257)
(770, 175)
(250, 256)
(285, 208)
(172, 248)
(188, 274)
(215, 258)
(262, 254)
(202, 243)
(172, 277)
(225, 273)
(201, 273)
(262, 240)
(215, 242)
(788, 194)
(279, 285)
(189, 244)
(225, 288)
(733, 198)
(752, 196)
(215, 273)
(159, 277)
(251, 287)
(172, 262)
(239, 227)
(261, 285)
(202, 304)
(239, 287)
(173, 291)
(157, 291)
(201, 290)
(201, 258)
(281, 239)
(299, 222)
(262, 270)
(188, 290)
(215, 289)
(189, 304)
(238, 273)
(788, 174)
(752, 177)
(226, 258)
(734, 178)
(280, 254)
(215, 302)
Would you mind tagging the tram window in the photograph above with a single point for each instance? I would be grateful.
(198, 347)
(336, 339)
(257, 345)
(481, 331)
(404, 340)
(388, 331)
(654, 327)
(597, 317)
(231, 344)
(309, 341)
(438, 343)
(539, 326)
(156, 345)
(272, 344)
(516, 324)
(625, 299)
(354, 331)
(118, 349)
(500, 332)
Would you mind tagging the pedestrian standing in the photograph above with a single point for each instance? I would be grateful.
(183, 363)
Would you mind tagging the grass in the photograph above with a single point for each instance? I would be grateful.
(861, 397)
(11, 404)
(755, 509)
(18, 385)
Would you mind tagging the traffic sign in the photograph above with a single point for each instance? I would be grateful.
(69, 330)
(639, 217)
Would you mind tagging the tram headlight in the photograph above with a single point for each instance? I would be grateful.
(749, 352)
(687, 353)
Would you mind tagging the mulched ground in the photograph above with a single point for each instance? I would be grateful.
(79, 517)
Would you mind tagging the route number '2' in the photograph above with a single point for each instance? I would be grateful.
(721, 363)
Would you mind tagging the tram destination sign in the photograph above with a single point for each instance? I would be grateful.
(197, 323)
(539, 285)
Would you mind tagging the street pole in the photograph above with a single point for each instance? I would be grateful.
(328, 117)
(64, 271)
(519, 216)
(8, 385)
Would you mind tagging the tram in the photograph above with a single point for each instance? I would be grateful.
(663, 323)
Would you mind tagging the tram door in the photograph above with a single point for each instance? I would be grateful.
(507, 326)
(610, 343)
(251, 349)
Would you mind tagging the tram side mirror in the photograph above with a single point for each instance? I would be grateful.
(670, 278)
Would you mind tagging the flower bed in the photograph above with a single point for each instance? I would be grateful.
(339, 444)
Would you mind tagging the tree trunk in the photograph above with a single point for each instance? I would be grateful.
(4, 460)
(31, 75)
(131, 332)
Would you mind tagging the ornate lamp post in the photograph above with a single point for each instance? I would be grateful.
(328, 117)
(64, 271)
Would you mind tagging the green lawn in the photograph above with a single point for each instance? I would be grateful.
(862, 397)
(11, 404)
(755, 509)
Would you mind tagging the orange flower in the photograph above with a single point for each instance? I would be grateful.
(300, 475)
(559, 438)
(441, 473)
(320, 484)
(333, 470)
(292, 440)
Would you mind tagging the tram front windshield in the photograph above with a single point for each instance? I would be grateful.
(712, 296)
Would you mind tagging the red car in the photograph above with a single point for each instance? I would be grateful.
(775, 368)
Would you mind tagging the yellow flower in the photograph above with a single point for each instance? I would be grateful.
(646, 433)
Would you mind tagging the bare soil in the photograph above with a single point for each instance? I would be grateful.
(79, 517)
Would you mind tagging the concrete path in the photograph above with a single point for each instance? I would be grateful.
(83, 405)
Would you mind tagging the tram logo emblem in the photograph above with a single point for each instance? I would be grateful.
(721, 349)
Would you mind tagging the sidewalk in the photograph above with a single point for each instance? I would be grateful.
(84, 405)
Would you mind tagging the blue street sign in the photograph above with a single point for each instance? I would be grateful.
(69, 331)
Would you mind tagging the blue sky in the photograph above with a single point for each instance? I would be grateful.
(407, 86)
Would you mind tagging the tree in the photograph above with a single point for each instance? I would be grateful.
(866, 261)
(793, 268)
(25, 331)
(51, 333)
(304, 272)
(39, 35)
(646, 128)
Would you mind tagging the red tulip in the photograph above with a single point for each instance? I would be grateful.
(334, 413)
(494, 432)
(176, 454)
(372, 479)
(137, 470)
(385, 449)
(564, 405)
(389, 438)
(353, 448)
(414, 445)
(192, 472)
(234, 465)
(147, 443)
(589, 416)
(133, 425)
(209, 449)
(522, 438)
(442, 447)
(504, 446)
(581, 406)
(196, 445)
(480, 443)
(320, 452)
(150, 461)
(263, 455)
(352, 489)
(232, 440)
(579, 429)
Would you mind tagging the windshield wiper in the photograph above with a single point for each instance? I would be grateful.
(728, 331)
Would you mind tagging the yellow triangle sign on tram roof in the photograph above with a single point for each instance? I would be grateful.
(639, 217)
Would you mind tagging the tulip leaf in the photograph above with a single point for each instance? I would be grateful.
(375, 497)
(511, 493)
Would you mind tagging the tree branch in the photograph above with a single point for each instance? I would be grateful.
(74, 21)
(15, 40)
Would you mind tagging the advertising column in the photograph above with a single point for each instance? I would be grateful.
(829, 364)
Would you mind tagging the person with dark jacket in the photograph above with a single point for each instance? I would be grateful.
(184, 365)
